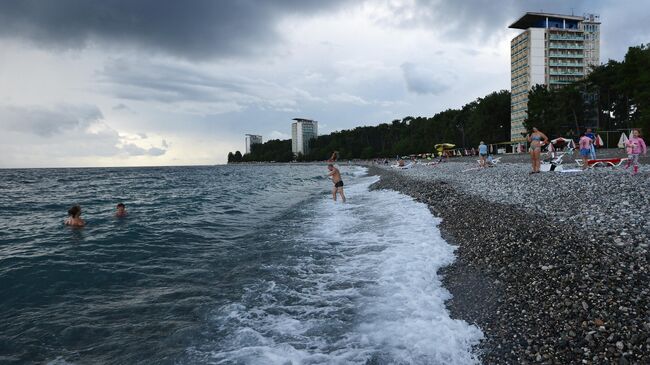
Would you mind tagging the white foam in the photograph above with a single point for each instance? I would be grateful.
(378, 297)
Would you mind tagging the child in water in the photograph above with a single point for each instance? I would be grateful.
(74, 217)
(121, 210)
(635, 146)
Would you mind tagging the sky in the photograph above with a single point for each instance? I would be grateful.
(151, 83)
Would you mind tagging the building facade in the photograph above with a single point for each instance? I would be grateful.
(302, 131)
(252, 139)
(553, 50)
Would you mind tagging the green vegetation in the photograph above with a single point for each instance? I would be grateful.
(486, 118)
(614, 96)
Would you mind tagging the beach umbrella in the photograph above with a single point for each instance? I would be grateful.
(599, 141)
(622, 141)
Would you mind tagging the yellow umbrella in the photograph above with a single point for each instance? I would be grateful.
(443, 146)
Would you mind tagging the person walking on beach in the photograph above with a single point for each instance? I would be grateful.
(635, 146)
(536, 139)
(585, 150)
(592, 148)
(74, 217)
(121, 210)
(338, 183)
(482, 152)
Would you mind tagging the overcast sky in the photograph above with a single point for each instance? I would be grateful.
(148, 82)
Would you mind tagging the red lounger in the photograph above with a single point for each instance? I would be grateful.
(614, 162)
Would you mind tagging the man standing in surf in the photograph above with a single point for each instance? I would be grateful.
(338, 183)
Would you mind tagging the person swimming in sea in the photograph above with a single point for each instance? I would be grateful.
(121, 210)
(338, 183)
(74, 217)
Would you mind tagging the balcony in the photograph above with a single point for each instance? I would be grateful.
(567, 73)
(566, 55)
(565, 46)
(562, 82)
(558, 37)
(566, 64)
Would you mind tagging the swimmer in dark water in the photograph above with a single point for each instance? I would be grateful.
(338, 183)
(74, 217)
(121, 210)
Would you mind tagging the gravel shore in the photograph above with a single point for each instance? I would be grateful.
(552, 267)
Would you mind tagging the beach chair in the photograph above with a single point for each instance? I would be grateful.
(600, 162)
(490, 162)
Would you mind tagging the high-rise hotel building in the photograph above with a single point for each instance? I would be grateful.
(553, 50)
(252, 139)
(302, 131)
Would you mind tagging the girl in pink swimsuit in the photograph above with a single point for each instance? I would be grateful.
(635, 146)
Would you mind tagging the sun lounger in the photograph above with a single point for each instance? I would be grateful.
(490, 162)
(613, 162)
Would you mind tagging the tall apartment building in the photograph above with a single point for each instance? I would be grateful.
(252, 139)
(553, 50)
(302, 131)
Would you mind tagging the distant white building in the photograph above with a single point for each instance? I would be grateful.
(302, 131)
(252, 139)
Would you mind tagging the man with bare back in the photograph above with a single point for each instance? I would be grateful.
(338, 183)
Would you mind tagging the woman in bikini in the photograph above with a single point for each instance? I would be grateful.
(536, 139)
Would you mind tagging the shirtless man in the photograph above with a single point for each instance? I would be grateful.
(338, 183)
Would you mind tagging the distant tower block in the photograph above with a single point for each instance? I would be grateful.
(553, 50)
(252, 139)
(302, 131)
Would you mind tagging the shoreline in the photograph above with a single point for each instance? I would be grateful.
(542, 290)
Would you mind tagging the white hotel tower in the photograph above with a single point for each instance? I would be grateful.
(553, 50)
(302, 131)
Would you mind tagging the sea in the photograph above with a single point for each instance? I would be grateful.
(244, 264)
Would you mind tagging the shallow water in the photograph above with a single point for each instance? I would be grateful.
(223, 265)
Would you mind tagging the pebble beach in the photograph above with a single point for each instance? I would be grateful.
(553, 267)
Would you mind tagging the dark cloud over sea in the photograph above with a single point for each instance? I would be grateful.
(189, 29)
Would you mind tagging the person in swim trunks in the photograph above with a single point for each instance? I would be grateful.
(338, 183)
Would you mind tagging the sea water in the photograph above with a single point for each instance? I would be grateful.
(221, 265)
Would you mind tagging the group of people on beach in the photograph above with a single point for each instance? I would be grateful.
(74, 215)
(634, 146)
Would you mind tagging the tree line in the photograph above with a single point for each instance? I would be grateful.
(614, 96)
(486, 118)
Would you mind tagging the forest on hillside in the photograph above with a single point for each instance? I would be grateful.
(615, 96)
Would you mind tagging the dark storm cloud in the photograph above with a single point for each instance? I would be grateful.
(189, 29)
(477, 18)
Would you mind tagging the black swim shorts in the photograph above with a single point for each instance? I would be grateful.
(339, 184)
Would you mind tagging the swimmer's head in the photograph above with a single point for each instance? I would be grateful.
(121, 206)
(330, 166)
(75, 211)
